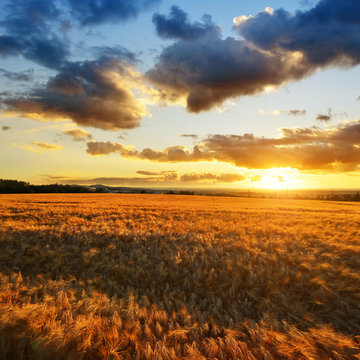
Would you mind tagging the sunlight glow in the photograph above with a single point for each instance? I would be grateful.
(279, 179)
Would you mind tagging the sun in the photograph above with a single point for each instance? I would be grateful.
(274, 182)
(279, 179)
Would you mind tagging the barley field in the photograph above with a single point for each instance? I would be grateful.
(110, 276)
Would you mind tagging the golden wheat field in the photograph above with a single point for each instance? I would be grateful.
(113, 276)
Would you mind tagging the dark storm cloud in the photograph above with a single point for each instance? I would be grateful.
(28, 16)
(307, 149)
(327, 34)
(29, 31)
(36, 29)
(177, 25)
(49, 51)
(306, 3)
(276, 47)
(297, 112)
(90, 12)
(9, 46)
(92, 93)
(17, 76)
(209, 70)
(111, 52)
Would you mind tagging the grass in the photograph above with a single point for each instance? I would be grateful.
(176, 277)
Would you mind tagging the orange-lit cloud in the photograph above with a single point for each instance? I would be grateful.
(165, 174)
(335, 149)
(154, 178)
(256, 178)
(39, 147)
(78, 134)
(221, 178)
(98, 93)
(276, 112)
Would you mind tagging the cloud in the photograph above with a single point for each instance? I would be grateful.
(39, 147)
(154, 173)
(306, 3)
(50, 52)
(104, 148)
(207, 71)
(90, 12)
(123, 136)
(297, 112)
(78, 134)
(159, 175)
(114, 181)
(37, 29)
(307, 149)
(46, 146)
(325, 117)
(276, 112)
(30, 30)
(17, 76)
(170, 154)
(111, 52)
(54, 177)
(324, 35)
(193, 136)
(177, 25)
(98, 93)
(6, 128)
(255, 178)
(275, 47)
(322, 117)
(163, 178)
(222, 178)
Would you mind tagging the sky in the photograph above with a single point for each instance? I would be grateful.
(157, 93)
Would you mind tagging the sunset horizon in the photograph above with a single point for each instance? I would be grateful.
(180, 180)
(159, 94)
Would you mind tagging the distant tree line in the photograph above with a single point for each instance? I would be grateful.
(340, 197)
(182, 192)
(22, 187)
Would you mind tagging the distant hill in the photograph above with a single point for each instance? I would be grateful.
(22, 187)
